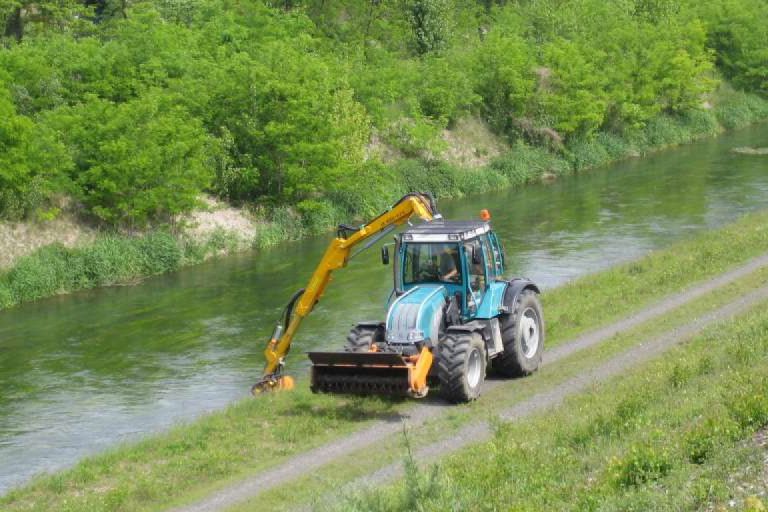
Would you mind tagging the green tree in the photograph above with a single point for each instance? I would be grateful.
(504, 67)
(136, 162)
(431, 24)
(738, 32)
(295, 124)
(32, 163)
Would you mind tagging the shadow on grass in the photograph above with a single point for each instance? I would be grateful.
(350, 409)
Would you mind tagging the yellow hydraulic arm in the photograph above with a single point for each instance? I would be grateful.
(336, 256)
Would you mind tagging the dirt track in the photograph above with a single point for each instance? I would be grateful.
(307, 462)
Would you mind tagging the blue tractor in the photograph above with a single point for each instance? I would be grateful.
(452, 314)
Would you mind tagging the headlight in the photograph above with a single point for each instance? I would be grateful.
(414, 336)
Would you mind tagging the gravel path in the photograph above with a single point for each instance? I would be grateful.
(308, 462)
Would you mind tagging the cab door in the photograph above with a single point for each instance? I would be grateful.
(477, 275)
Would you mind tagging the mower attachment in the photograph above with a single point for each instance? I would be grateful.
(370, 373)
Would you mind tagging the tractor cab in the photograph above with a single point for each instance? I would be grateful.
(464, 258)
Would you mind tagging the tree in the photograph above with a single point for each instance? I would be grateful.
(136, 162)
(32, 163)
(430, 23)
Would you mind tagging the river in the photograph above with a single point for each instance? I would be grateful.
(83, 372)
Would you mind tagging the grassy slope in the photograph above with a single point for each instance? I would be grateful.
(313, 489)
(256, 434)
(669, 436)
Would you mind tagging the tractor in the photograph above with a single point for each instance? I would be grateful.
(452, 313)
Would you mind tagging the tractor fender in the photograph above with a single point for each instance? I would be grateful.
(473, 326)
(481, 327)
(515, 287)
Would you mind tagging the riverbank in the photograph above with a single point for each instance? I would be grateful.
(110, 259)
(241, 440)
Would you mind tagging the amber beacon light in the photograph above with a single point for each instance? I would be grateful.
(485, 215)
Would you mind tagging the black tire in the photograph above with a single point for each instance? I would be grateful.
(361, 337)
(520, 358)
(458, 353)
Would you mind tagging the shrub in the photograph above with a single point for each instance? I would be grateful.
(7, 297)
(40, 274)
(319, 215)
(738, 109)
(433, 176)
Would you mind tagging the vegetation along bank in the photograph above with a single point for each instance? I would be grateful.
(130, 117)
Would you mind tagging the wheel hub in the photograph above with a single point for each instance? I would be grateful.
(474, 368)
(529, 333)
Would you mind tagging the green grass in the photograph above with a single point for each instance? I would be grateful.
(256, 434)
(668, 436)
(111, 259)
(313, 488)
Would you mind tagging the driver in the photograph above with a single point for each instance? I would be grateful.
(449, 267)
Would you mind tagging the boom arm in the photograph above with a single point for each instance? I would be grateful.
(336, 256)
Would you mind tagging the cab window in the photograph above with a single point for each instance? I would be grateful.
(432, 263)
(477, 276)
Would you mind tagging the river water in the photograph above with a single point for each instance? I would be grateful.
(82, 372)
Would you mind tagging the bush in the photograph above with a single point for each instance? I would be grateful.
(43, 273)
(7, 297)
(587, 153)
(319, 215)
(110, 260)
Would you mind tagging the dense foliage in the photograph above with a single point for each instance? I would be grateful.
(134, 109)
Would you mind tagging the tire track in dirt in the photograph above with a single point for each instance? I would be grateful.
(307, 462)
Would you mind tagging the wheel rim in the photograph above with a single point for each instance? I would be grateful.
(529, 332)
(474, 368)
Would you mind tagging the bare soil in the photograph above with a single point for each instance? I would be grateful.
(21, 238)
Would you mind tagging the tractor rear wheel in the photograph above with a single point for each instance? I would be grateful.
(522, 331)
(461, 366)
(361, 337)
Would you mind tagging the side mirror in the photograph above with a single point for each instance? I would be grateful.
(385, 255)
(477, 258)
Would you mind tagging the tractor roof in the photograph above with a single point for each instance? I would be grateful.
(446, 231)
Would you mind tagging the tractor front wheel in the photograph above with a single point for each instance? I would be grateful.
(361, 337)
(461, 366)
